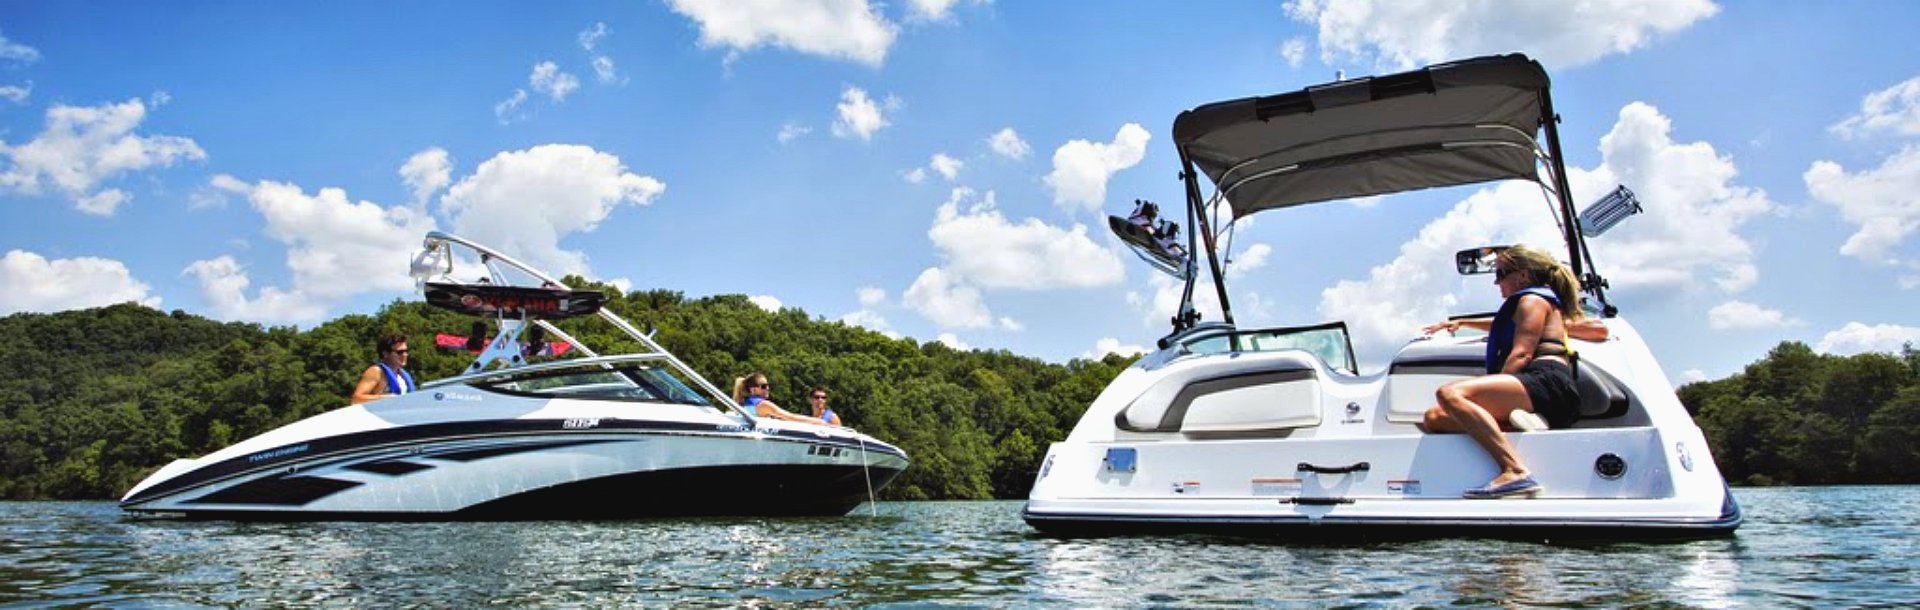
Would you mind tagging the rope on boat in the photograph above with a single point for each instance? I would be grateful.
(873, 505)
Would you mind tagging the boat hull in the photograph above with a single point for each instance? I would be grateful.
(605, 473)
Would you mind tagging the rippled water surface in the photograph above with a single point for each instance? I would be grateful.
(1800, 547)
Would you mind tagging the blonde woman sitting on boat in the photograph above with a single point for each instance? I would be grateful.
(1530, 378)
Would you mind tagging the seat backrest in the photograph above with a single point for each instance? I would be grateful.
(1601, 395)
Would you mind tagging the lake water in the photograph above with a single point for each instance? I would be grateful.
(1834, 546)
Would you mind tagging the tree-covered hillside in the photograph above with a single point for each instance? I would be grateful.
(1802, 418)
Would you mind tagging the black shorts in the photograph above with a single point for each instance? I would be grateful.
(1550, 388)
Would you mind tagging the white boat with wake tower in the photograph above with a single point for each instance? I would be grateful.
(1275, 431)
(594, 437)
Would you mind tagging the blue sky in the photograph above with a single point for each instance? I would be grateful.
(938, 169)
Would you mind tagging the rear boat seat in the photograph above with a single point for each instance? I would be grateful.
(1258, 392)
(1418, 371)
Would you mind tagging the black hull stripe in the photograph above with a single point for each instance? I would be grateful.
(277, 490)
(289, 489)
(821, 490)
(309, 453)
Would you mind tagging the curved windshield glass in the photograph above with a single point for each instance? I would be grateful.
(649, 381)
(1328, 341)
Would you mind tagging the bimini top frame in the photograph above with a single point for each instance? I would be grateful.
(1457, 123)
(436, 260)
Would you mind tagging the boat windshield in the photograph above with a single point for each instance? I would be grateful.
(1327, 341)
(642, 381)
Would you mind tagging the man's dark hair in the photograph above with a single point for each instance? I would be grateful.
(386, 342)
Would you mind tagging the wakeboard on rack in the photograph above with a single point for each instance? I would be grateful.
(1154, 240)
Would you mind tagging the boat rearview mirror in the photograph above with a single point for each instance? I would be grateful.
(1475, 261)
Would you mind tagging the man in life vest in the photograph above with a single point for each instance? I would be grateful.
(388, 376)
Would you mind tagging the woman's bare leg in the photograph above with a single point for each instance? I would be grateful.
(1477, 406)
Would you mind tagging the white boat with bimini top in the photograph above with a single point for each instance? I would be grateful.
(1275, 431)
(588, 437)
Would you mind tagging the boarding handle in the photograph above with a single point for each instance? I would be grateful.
(1351, 468)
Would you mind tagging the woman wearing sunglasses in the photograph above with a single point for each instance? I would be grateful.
(751, 392)
(1529, 382)
(818, 400)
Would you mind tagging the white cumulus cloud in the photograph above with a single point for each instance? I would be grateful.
(547, 78)
(859, 116)
(953, 341)
(1895, 110)
(525, 201)
(1687, 239)
(790, 131)
(508, 110)
(1741, 315)
(32, 283)
(1110, 345)
(870, 296)
(1406, 33)
(336, 248)
(765, 302)
(933, 10)
(1007, 143)
(870, 320)
(837, 29)
(1249, 260)
(1081, 168)
(426, 172)
(84, 146)
(590, 38)
(983, 247)
(1884, 202)
(17, 53)
(1294, 50)
(948, 167)
(1855, 338)
(16, 93)
(946, 301)
(224, 284)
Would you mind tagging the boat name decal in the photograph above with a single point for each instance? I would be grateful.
(277, 453)
(456, 396)
(580, 423)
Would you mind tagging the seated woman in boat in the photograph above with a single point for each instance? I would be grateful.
(1529, 368)
(751, 392)
(818, 400)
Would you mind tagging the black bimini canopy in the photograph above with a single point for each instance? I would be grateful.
(1458, 123)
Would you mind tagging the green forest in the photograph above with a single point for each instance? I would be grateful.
(92, 400)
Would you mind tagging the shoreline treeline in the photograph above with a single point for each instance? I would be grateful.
(91, 400)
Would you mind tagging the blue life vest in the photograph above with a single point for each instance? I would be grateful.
(751, 402)
(1500, 334)
(396, 384)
